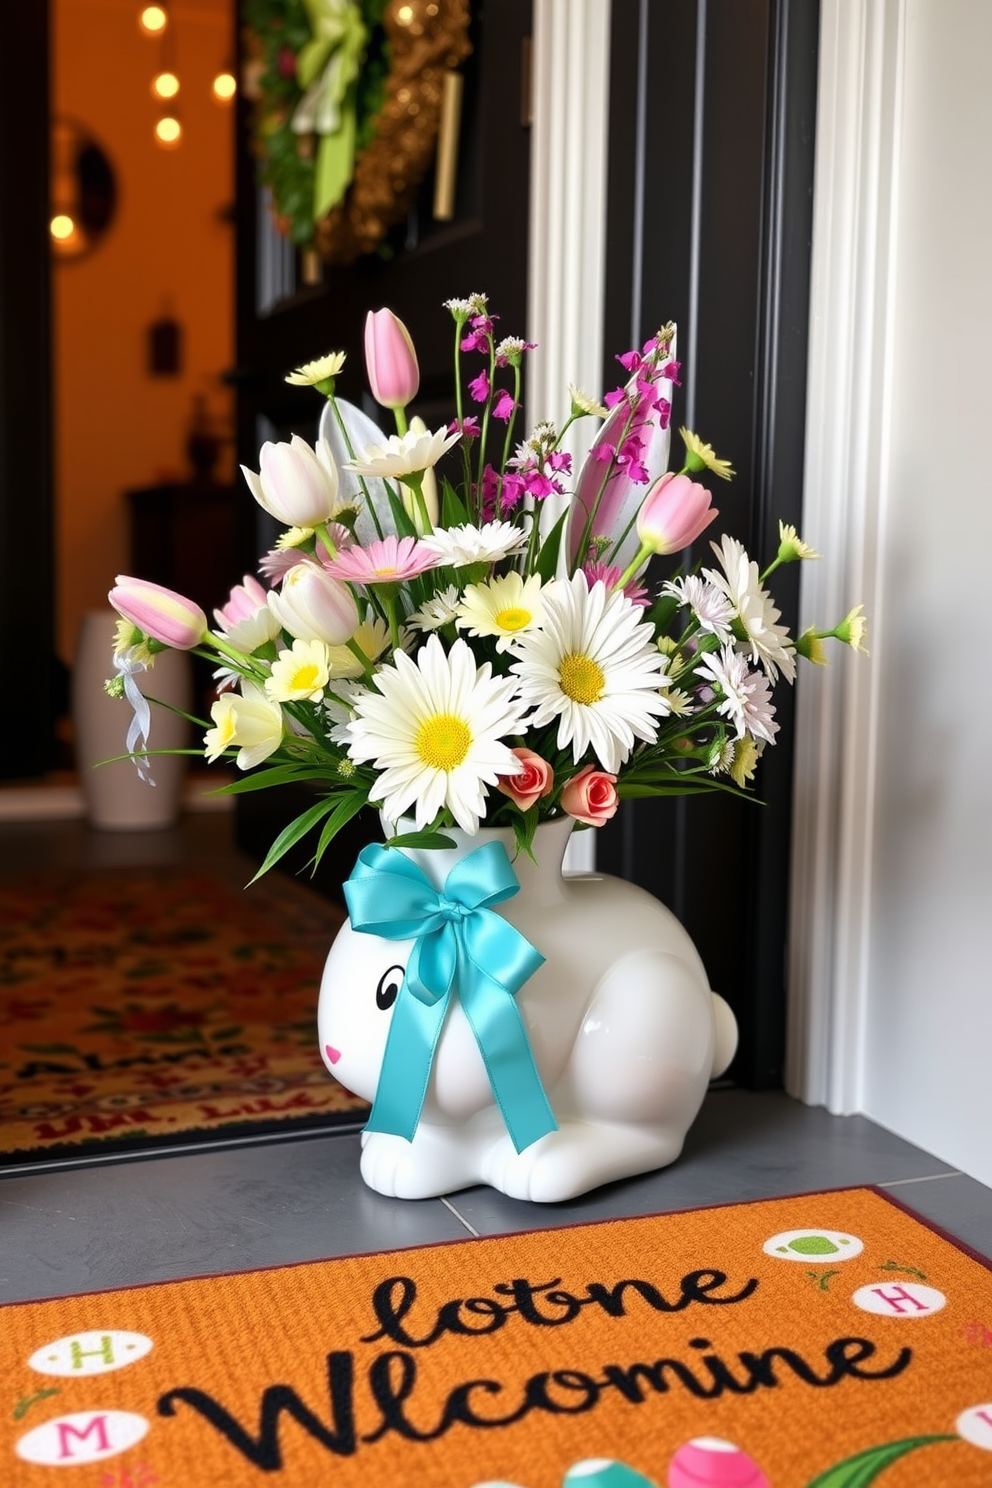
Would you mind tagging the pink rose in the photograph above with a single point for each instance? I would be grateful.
(535, 780)
(591, 796)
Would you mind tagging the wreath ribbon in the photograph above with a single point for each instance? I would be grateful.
(461, 949)
(326, 69)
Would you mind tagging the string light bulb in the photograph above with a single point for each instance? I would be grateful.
(168, 131)
(153, 19)
(165, 85)
(224, 86)
(62, 227)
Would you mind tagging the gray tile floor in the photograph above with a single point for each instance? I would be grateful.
(70, 1228)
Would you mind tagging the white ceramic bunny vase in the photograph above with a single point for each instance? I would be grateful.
(623, 1029)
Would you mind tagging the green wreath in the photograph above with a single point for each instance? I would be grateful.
(316, 71)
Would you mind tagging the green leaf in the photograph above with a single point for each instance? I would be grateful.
(277, 775)
(453, 512)
(864, 1467)
(404, 523)
(343, 812)
(290, 835)
(662, 613)
(547, 559)
(420, 839)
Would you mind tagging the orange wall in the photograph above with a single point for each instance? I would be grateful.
(117, 426)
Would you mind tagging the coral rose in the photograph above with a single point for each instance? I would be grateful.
(535, 780)
(591, 796)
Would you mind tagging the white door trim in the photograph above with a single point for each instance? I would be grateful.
(567, 248)
(844, 513)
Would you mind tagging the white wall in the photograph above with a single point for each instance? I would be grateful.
(892, 952)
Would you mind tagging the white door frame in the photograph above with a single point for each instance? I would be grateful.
(844, 510)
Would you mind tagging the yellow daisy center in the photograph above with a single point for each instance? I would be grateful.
(513, 618)
(443, 741)
(304, 679)
(581, 678)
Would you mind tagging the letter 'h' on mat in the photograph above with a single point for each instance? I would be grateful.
(829, 1340)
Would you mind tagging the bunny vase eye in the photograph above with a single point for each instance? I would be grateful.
(389, 985)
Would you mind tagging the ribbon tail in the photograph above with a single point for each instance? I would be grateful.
(141, 722)
(335, 161)
(409, 1056)
(499, 1030)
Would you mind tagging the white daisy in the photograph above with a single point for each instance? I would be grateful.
(746, 694)
(710, 604)
(339, 707)
(721, 757)
(403, 454)
(503, 607)
(766, 640)
(434, 730)
(595, 667)
(456, 547)
(440, 609)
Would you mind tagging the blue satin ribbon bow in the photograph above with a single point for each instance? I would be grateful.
(460, 948)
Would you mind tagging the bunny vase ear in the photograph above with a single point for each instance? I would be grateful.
(362, 978)
(361, 432)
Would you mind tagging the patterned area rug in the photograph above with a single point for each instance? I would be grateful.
(821, 1341)
(151, 1006)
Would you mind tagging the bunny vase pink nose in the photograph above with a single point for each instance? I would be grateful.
(333, 1054)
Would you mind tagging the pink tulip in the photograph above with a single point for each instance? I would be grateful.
(313, 606)
(390, 360)
(534, 781)
(674, 513)
(161, 613)
(246, 600)
(591, 796)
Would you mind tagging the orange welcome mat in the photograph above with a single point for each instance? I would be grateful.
(829, 1339)
(145, 1007)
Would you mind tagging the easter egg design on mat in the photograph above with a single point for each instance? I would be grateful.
(813, 1245)
(711, 1462)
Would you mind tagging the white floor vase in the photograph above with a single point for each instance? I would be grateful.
(115, 796)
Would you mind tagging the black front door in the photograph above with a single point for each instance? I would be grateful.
(712, 117)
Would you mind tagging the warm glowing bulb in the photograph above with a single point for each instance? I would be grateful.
(168, 130)
(62, 227)
(165, 85)
(224, 87)
(153, 20)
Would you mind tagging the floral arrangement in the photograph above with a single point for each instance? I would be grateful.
(462, 639)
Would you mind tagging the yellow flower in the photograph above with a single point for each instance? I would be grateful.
(746, 756)
(791, 545)
(299, 674)
(294, 537)
(312, 374)
(701, 456)
(853, 630)
(810, 644)
(581, 403)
